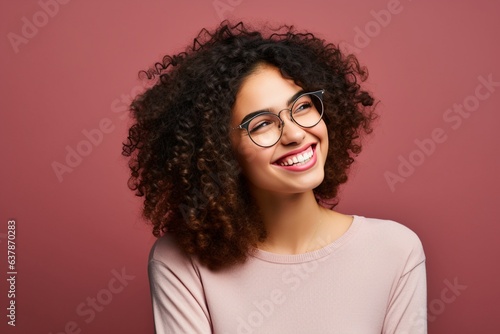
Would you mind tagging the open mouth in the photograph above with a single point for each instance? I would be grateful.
(297, 159)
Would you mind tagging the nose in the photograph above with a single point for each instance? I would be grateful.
(292, 132)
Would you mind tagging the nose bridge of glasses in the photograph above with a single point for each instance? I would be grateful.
(293, 129)
(290, 117)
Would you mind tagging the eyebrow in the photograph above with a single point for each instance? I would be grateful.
(290, 101)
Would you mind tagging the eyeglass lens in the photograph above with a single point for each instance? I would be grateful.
(265, 129)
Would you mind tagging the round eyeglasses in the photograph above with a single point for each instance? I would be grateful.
(266, 128)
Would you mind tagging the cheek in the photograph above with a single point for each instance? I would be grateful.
(327, 139)
(254, 162)
(323, 129)
(322, 134)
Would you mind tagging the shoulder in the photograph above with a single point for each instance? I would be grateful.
(390, 231)
(392, 238)
(166, 254)
(177, 291)
(165, 247)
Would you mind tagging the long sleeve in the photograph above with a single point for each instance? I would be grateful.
(407, 311)
(371, 280)
(177, 293)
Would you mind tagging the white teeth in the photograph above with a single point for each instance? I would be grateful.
(299, 158)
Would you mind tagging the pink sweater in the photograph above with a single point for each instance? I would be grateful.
(370, 280)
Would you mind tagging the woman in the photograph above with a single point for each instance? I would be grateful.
(239, 149)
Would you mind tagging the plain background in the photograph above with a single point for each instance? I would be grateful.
(76, 69)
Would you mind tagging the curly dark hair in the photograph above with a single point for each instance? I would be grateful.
(181, 159)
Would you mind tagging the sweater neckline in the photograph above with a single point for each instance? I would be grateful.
(314, 255)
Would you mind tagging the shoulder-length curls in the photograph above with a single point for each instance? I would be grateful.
(181, 158)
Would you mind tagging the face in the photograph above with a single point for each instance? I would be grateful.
(277, 169)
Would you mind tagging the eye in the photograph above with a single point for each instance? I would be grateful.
(303, 106)
(260, 125)
(263, 123)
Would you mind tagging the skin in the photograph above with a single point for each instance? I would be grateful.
(294, 221)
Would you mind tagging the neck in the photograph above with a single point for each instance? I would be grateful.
(292, 222)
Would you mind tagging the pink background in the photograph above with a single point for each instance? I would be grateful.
(76, 72)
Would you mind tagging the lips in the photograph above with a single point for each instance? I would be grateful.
(296, 158)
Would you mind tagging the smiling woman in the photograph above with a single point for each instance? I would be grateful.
(239, 149)
(271, 167)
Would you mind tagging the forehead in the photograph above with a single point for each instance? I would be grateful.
(262, 90)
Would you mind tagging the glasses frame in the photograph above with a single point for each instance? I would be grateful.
(317, 93)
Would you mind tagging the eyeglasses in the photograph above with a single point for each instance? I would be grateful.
(266, 128)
